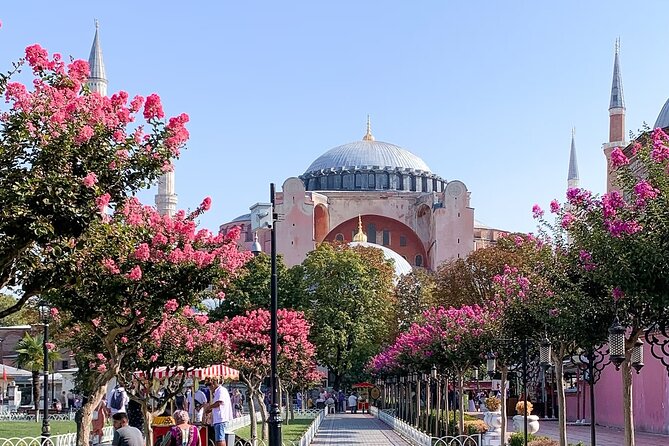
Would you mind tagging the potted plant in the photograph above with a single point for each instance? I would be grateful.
(493, 418)
(519, 420)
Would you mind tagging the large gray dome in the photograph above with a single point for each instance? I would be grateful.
(370, 154)
(663, 118)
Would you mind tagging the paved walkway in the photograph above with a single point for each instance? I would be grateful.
(605, 436)
(356, 429)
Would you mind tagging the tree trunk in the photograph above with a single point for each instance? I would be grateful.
(36, 393)
(626, 372)
(87, 415)
(559, 383)
(461, 397)
(148, 420)
(264, 415)
(502, 400)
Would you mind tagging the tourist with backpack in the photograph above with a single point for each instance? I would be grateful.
(117, 400)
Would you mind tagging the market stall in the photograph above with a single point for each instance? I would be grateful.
(362, 389)
(162, 375)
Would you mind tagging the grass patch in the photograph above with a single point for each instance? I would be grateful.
(10, 429)
(289, 432)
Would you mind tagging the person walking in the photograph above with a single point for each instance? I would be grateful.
(117, 400)
(353, 403)
(221, 410)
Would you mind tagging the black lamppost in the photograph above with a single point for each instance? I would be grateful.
(45, 314)
(264, 216)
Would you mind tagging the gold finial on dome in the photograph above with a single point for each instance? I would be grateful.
(368, 136)
(360, 236)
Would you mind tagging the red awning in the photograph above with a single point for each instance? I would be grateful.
(364, 385)
(219, 370)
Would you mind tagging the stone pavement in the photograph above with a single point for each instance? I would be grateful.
(356, 429)
(605, 436)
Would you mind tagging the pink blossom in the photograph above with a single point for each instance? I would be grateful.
(153, 109)
(206, 204)
(50, 346)
(124, 339)
(555, 207)
(100, 357)
(567, 220)
(554, 312)
(142, 252)
(78, 70)
(110, 266)
(537, 212)
(135, 273)
(84, 135)
(171, 305)
(154, 357)
(54, 312)
(644, 191)
(617, 294)
(102, 368)
(37, 58)
(102, 201)
(96, 322)
(90, 180)
(618, 158)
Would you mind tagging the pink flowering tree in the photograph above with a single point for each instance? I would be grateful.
(623, 239)
(184, 340)
(249, 352)
(65, 154)
(130, 270)
(548, 297)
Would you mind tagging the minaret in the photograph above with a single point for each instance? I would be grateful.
(97, 82)
(572, 176)
(616, 117)
(166, 198)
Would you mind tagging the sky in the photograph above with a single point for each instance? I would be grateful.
(484, 92)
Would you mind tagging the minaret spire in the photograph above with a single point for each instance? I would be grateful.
(97, 82)
(572, 176)
(616, 117)
(617, 97)
(368, 136)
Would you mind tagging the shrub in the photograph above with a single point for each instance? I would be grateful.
(493, 404)
(521, 406)
(518, 439)
(475, 427)
(543, 441)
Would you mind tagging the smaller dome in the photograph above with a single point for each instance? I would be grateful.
(245, 217)
(663, 118)
(402, 267)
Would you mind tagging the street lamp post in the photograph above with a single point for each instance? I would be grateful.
(45, 313)
(264, 216)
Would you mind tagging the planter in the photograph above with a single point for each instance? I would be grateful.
(492, 437)
(532, 423)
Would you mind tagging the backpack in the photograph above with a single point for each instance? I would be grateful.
(116, 402)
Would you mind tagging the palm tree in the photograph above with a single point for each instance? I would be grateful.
(31, 357)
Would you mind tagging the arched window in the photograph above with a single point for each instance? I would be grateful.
(419, 260)
(339, 237)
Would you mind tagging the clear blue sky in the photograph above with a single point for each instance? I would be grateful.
(484, 92)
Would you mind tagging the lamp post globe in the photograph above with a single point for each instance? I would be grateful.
(491, 364)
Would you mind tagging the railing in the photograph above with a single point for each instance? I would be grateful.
(22, 416)
(54, 440)
(421, 438)
(317, 414)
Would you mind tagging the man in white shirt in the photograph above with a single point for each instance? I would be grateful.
(200, 400)
(221, 410)
(117, 400)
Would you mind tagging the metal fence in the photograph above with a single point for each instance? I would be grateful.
(317, 414)
(421, 438)
(54, 440)
(22, 416)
